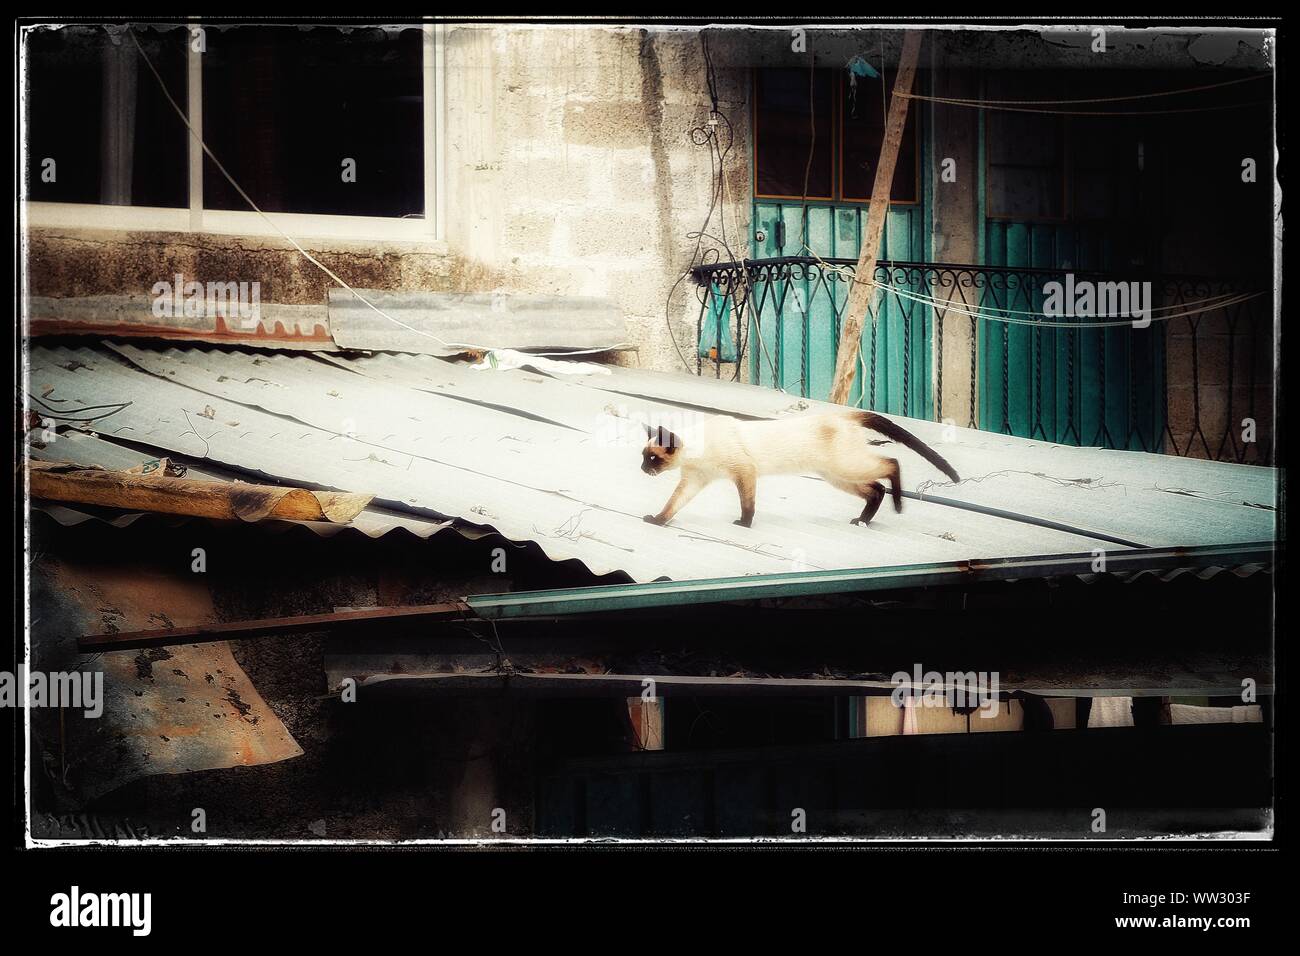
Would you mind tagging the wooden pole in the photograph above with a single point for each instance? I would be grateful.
(230, 500)
(855, 311)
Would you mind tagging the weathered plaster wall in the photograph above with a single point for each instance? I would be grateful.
(955, 232)
(80, 262)
(571, 169)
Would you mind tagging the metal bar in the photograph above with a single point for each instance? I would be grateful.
(625, 597)
(1026, 519)
(1264, 281)
(631, 685)
(657, 594)
(261, 627)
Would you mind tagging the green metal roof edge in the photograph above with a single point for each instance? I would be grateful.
(561, 602)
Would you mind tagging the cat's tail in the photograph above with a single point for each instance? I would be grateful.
(879, 423)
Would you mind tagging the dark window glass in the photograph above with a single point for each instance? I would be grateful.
(1026, 151)
(709, 723)
(94, 108)
(864, 132)
(783, 133)
(283, 107)
(1105, 153)
(1214, 221)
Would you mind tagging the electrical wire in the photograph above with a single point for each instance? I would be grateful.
(971, 101)
(54, 413)
(1024, 109)
(710, 136)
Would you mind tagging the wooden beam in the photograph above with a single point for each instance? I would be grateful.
(230, 500)
(262, 627)
(861, 292)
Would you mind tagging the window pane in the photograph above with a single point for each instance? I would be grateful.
(1212, 219)
(94, 108)
(284, 107)
(864, 131)
(1104, 151)
(1024, 193)
(1026, 151)
(784, 130)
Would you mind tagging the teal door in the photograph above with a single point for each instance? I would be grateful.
(796, 307)
(795, 321)
(1063, 195)
(1085, 385)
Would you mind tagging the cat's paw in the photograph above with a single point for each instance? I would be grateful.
(654, 519)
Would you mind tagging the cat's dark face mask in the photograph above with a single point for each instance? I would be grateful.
(660, 451)
(655, 458)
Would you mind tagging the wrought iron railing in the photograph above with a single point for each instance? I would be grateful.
(1197, 381)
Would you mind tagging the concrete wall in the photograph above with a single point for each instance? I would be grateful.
(570, 166)
(955, 234)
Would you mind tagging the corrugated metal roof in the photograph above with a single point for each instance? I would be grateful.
(538, 459)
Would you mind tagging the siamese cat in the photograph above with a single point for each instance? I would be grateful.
(831, 446)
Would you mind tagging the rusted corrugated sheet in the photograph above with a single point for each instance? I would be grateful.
(166, 710)
(133, 316)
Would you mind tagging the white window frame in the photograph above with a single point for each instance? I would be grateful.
(196, 219)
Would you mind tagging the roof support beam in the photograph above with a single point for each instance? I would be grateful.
(262, 627)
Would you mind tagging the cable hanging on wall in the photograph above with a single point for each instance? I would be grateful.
(198, 138)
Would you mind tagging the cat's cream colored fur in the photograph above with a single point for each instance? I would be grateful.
(830, 445)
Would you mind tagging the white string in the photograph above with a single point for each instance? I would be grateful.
(1208, 304)
(1213, 301)
(970, 101)
(948, 306)
(293, 242)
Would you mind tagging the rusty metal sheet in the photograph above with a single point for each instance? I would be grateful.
(277, 326)
(170, 710)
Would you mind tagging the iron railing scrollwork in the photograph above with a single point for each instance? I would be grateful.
(1188, 383)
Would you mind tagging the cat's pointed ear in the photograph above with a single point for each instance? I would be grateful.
(668, 439)
(661, 436)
